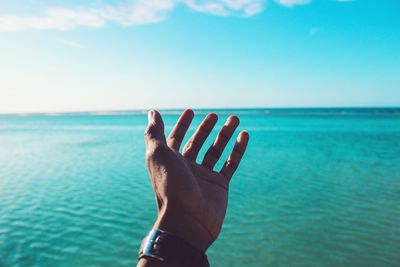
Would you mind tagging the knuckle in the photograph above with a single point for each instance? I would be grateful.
(224, 136)
(156, 151)
(150, 131)
(193, 145)
(231, 164)
(177, 136)
(214, 152)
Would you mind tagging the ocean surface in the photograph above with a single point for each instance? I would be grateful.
(317, 187)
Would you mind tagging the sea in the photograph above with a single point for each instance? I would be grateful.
(316, 187)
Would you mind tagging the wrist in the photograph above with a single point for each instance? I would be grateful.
(184, 226)
(160, 248)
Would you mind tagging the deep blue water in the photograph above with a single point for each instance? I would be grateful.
(317, 187)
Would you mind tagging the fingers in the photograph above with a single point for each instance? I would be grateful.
(154, 132)
(180, 129)
(233, 161)
(215, 151)
(197, 140)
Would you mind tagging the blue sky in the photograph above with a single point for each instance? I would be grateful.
(126, 54)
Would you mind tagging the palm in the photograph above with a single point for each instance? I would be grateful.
(194, 189)
(209, 186)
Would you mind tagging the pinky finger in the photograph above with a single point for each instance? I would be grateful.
(233, 161)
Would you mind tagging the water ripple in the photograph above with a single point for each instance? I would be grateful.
(74, 191)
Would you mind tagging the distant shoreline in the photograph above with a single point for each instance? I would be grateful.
(300, 111)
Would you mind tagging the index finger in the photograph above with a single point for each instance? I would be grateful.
(178, 132)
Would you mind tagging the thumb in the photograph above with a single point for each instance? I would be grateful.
(155, 129)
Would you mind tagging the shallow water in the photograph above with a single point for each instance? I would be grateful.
(314, 189)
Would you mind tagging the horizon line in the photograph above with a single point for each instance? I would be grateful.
(144, 110)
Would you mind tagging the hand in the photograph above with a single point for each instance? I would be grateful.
(192, 198)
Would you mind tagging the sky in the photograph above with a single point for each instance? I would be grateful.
(69, 55)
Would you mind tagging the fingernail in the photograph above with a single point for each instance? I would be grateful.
(150, 115)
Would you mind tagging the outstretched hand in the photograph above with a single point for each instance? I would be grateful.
(191, 197)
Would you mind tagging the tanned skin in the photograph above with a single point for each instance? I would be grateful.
(192, 197)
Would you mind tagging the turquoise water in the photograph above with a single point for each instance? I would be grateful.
(316, 188)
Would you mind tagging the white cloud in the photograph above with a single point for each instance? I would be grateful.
(129, 13)
(227, 7)
(291, 3)
(59, 18)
